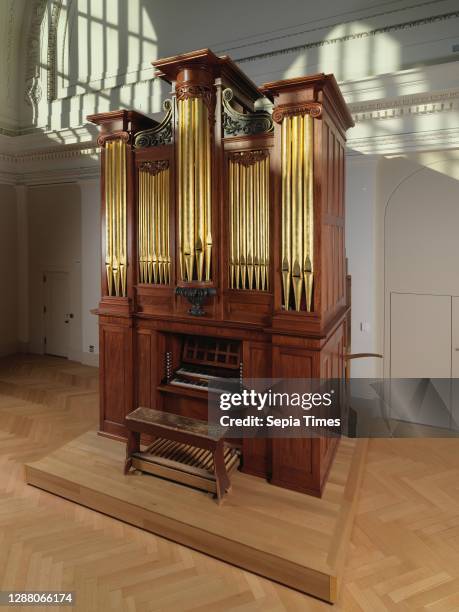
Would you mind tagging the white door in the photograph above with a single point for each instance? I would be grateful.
(421, 352)
(57, 313)
(420, 336)
(455, 338)
(455, 362)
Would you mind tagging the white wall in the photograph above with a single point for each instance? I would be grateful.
(418, 208)
(395, 62)
(8, 274)
(361, 251)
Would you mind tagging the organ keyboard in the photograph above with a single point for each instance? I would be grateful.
(206, 363)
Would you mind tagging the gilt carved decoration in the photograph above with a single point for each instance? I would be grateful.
(308, 108)
(104, 138)
(248, 158)
(154, 167)
(189, 90)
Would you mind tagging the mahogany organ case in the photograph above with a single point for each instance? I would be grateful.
(223, 249)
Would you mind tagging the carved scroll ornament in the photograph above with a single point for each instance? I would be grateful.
(243, 124)
(159, 135)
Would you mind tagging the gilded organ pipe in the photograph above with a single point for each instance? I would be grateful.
(248, 194)
(297, 211)
(264, 248)
(237, 224)
(286, 209)
(194, 190)
(232, 217)
(243, 227)
(308, 210)
(115, 217)
(153, 216)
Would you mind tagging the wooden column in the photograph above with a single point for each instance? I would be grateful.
(311, 119)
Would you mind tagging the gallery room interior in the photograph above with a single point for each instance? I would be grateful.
(197, 195)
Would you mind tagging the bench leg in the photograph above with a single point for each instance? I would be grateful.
(132, 446)
(221, 475)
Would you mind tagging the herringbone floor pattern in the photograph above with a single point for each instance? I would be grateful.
(404, 552)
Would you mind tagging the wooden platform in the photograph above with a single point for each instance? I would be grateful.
(294, 539)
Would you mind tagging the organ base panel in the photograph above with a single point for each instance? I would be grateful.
(223, 250)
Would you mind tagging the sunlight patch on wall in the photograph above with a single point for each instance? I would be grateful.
(103, 44)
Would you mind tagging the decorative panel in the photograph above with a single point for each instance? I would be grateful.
(248, 189)
(115, 216)
(153, 222)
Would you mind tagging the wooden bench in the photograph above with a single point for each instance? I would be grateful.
(185, 434)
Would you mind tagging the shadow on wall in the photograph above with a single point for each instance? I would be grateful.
(95, 56)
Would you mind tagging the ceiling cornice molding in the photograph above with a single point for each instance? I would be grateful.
(397, 27)
(52, 49)
(9, 178)
(413, 142)
(416, 104)
(321, 25)
(62, 152)
(33, 89)
(63, 175)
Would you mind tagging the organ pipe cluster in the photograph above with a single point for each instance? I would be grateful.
(249, 220)
(194, 190)
(153, 223)
(297, 212)
(115, 219)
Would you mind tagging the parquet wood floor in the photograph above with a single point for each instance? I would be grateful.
(404, 551)
(297, 540)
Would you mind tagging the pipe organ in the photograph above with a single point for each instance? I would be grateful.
(233, 203)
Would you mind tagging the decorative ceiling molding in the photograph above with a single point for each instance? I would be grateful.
(33, 174)
(412, 142)
(417, 104)
(56, 153)
(320, 28)
(9, 48)
(4, 131)
(9, 178)
(61, 175)
(32, 73)
(407, 25)
(52, 49)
